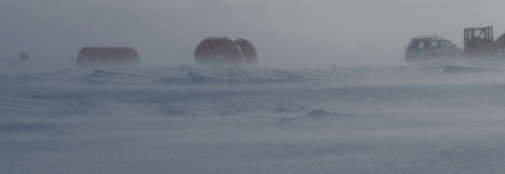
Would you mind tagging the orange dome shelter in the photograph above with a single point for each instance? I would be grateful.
(107, 55)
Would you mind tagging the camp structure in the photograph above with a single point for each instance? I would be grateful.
(24, 57)
(218, 51)
(107, 56)
(480, 42)
(248, 50)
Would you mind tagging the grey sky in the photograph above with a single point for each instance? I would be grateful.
(286, 33)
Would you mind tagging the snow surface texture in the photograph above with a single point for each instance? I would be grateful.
(424, 118)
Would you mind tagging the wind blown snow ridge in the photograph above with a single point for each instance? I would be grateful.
(185, 75)
(253, 120)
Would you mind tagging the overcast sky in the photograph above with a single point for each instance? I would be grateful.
(286, 33)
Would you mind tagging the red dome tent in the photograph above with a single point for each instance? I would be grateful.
(218, 51)
(248, 50)
(107, 55)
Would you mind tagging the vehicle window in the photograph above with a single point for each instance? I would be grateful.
(433, 44)
(442, 44)
(412, 45)
(448, 43)
(420, 45)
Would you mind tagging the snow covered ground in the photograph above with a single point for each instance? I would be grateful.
(422, 118)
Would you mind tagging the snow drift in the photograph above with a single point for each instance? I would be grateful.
(426, 118)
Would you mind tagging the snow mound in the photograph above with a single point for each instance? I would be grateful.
(459, 69)
(252, 120)
(319, 113)
(287, 120)
(292, 108)
(101, 77)
(26, 127)
(175, 111)
(193, 78)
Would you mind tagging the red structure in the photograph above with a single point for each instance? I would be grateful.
(107, 55)
(218, 51)
(248, 50)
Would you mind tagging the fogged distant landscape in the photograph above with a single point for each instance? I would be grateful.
(326, 89)
(419, 118)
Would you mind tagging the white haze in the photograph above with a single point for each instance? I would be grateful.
(315, 33)
(331, 92)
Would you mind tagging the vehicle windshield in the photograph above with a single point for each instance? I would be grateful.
(448, 43)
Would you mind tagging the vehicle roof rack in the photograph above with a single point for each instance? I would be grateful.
(434, 36)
